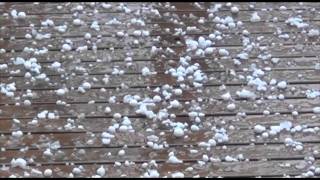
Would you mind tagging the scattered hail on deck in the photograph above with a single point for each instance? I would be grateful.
(171, 114)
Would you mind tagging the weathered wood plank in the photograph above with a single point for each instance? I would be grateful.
(134, 80)
(256, 152)
(102, 54)
(257, 27)
(67, 8)
(296, 72)
(89, 67)
(107, 30)
(59, 19)
(277, 50)
(244, 16)
(243, 6)
(51, 8)
(182, 15)
(221, 169)
(267, 17)
(132, 139)
(276, 5)
(212, 64)
(101, 94)
(209, 108)
(77, 80)
(287, 75)
(55, 44)
(100, 124)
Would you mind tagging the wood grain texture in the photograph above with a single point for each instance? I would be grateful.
(75, 135)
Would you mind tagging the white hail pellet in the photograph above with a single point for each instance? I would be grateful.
(77, 22)
(316, 110)
(275, 60)
(51, 115)
(117, 115)
(55, 65)
(266, 112)
(226, 96)
(19, 163)
(106, 6)
(120, 34)
(299, 147)
(95, 26)
(265, 135)
(228, 4)
(76, 170)
(121, 152)
(14, 13)
(212, 142)
(231, 107)
(282, 85)
(209, 50)
(178, 92)
(174, 160)
(106, 141)
(17, 134)
(86, 85)
(259, 129)
(87, 36)
(79, 8)
(61, 29)
(47, 172)
(123, 128)
(282, 8)
(28, 36)
(313, 33)
(16, 121)
(145, 71)
(101, 171)
(246, 94)
(205, 158)
(137, 33)
(107, 110)
(177, 175)
(47, 152)
(21, 15)
(178, 132)
(145, 33)
(153, 173)
(60, 92)
(234, 9)
(3, 66)
(175, 104)
(295, 113)
(229, 158)
(281, 97)
(223, 52)
(156, 98)
(194, 127)
(66, 47)
(42, 115)
(255, 17)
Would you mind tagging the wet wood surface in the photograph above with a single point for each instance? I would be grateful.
(54, 124)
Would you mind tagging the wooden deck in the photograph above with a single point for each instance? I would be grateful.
(94, 110)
